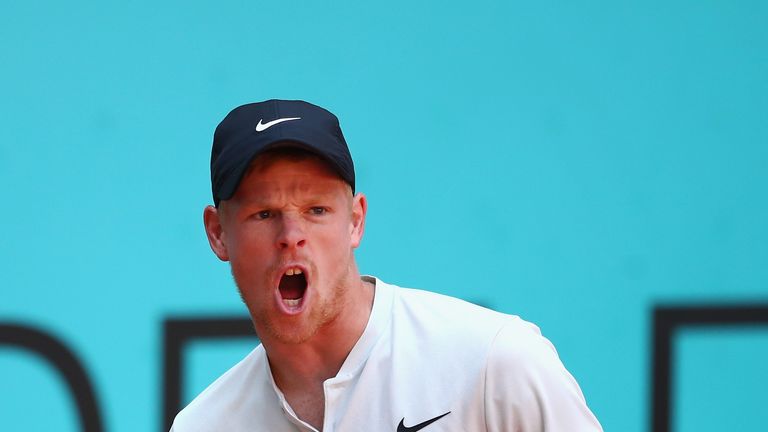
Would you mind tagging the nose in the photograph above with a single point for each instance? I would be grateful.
(292, 233)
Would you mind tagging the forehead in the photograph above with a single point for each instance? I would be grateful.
(272, 175)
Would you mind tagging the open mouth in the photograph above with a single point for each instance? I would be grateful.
(293, 285)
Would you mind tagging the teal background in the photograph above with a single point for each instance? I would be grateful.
(574, 163)
(721, 380)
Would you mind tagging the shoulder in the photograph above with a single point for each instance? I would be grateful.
(440, 324)
(528, 387)
(521, 342)
(524, 384)
(507, 338)
(507, 343)
(431, 306)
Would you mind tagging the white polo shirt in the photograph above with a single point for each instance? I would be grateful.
(425, 361)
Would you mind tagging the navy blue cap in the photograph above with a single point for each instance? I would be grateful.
(251, 129)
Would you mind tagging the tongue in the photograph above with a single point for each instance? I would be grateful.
(292, 287)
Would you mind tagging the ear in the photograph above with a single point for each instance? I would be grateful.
(215, 233)
(359, 210)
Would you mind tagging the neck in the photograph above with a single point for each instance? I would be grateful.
(298, 365)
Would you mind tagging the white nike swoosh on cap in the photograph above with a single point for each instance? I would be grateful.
(262, 127)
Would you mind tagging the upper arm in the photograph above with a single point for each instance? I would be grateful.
(528, 389)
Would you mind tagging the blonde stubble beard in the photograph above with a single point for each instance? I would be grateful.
(266, 326)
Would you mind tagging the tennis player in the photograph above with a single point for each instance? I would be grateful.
(345, 352)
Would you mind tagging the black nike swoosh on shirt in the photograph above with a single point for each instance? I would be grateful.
(402, 428)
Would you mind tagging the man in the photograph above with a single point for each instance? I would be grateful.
(341, 352)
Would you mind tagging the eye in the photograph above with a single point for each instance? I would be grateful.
(263, 214)
(317, 211)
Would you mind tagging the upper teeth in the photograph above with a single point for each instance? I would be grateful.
(293, 271)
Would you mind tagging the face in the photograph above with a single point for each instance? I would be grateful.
(289, 233)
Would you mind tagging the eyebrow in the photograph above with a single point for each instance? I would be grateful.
(265, 200)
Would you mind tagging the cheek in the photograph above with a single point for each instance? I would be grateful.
(246, 241)
(243, 273)
(247, 257)
(336, 244)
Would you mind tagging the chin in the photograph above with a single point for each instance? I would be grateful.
(297, 329)
(290, 334)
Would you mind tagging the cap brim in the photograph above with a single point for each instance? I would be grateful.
(228, 189)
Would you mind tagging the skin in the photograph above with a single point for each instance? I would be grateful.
(289, 212)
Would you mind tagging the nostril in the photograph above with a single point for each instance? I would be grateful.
(291, 230)
(291, 240)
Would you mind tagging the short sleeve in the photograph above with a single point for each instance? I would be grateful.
(527, 388)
